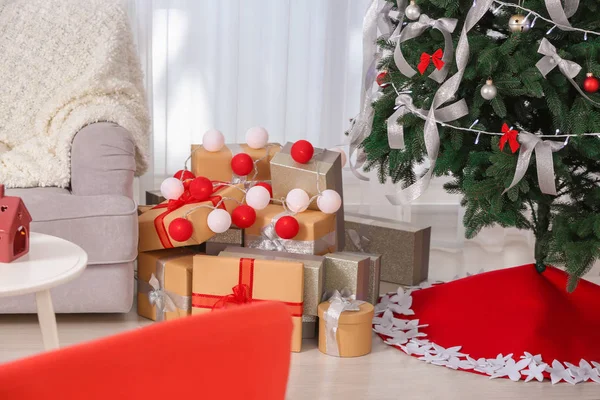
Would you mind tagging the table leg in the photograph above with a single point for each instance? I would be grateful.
(47, 319)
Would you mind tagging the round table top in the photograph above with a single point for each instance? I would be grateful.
(50, 262)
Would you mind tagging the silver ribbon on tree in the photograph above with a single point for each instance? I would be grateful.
(444, 94)
(340, 302)
(404, 104)
(559, 15)
(416, 29)
(377, 16)
(543, 159)
(551, 60)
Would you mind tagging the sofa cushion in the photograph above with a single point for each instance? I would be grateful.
(104, 226)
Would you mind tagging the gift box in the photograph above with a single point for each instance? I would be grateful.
(313, 271)
(345, 327)
(165, 283)
(309, 326)
(374, 276)
(324, 171)
(404, 248)
(317, 233)
(348, 272)
(221, 282)
(154, 223)
(216, 165)
(154, 197)
(221, 241)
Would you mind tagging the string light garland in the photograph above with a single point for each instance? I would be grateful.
(539, 16)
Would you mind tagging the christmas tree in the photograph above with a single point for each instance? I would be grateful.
(501, 96)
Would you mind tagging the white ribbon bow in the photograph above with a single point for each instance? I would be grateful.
(551, 60)
(159, 297)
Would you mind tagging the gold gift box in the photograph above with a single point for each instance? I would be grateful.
(216, 166)
(347, 271)
(325, 168)
(316, 234)
(374, 275)
(221, 282)
(221, 241)
(171, 273)
(354, 333)
(313, 271)
(150, 224)
(404, 248)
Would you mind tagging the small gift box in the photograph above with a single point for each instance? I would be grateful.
(154, 223)
(221, 241)
(345, 326)
(347, 271)
(220, 282)
(316, 235)
(216, 165)
(313, 271)
(404, 248)
(309, 326)
(324, 171)
(165, 284)
(374, 276)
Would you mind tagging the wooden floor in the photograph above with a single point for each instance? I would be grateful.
(384, 374)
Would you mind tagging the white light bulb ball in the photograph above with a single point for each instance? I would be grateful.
(258, 197)
(329, 201)
(342, 153)
(213, 140)
(297, 200)
(171, 188)
(257, 137)
(218, 221)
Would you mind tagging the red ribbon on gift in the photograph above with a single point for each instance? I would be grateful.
(242, 292)
(510, 136)
(426, 59)
(172, 205)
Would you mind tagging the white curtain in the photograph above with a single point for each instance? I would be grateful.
(292, 66)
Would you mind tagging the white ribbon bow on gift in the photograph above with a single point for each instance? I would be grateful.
(340, 302)
(160, 298)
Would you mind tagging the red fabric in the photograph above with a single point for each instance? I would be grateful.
(239, 353)
(426, 59)
(241, 293)
(513, 310)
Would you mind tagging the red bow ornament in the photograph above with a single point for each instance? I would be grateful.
(240, 295)
(427, 59)
(510, 136)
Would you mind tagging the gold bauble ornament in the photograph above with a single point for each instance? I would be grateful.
(518, 23)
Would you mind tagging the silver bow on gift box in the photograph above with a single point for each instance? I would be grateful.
(340, 302)
(543, 158)
(162, 299)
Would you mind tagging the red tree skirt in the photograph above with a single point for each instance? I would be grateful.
(513, 323)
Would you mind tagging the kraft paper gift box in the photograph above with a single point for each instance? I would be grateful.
(221, 282)
(313, 271)
(374, 275)
(404, 248)
(216, 165)
(316, 236)
(165, 283)
(347, 272)
(324, 168)
(154, 223)
(221, 241)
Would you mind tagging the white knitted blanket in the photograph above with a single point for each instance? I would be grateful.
(64, 64)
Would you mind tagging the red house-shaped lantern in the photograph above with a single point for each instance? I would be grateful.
(14, 228)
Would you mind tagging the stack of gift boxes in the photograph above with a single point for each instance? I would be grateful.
(260, 221)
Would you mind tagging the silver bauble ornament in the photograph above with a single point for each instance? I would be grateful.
(412, 12)
(489, 91)
(519, 23)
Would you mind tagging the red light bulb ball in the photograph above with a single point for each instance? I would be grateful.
(266, 186)
(180, 229)
(382, 79)
(185, 173)
(591, 84)
(201, 188)
(242, 164)
(302, 151)
(243, 216)
(287, 227)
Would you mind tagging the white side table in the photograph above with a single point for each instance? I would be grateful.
(51, 262)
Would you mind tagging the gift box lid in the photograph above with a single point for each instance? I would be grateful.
(364, 316)
(383, 222)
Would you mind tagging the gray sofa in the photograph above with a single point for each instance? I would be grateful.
(97, 213)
